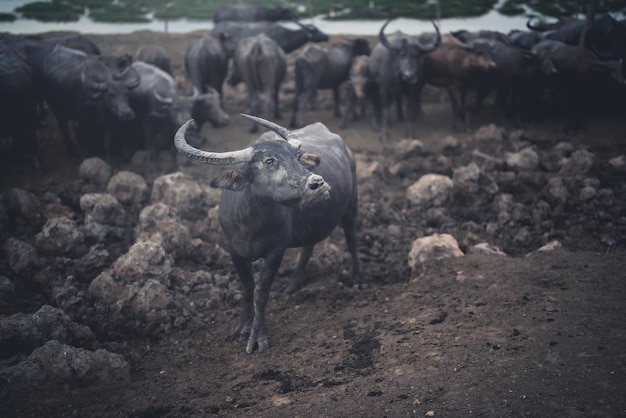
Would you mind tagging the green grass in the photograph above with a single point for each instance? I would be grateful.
(7, 17)
(137, 10)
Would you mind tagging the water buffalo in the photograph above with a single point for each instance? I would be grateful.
(154, 54)
(455, 67)
(160, 109)
(524, 39)
(396, 66)
(578, 73)
(260, 62)
(252, 12)
(516, 71)
(360, 90)
(18, 105)
(289, 189)
(324, 68)
(288, 39)
(82, 88)
(206, 62)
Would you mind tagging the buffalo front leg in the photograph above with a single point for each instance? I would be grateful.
(259, 337)
(244, 271)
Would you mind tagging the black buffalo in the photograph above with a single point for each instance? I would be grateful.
(156, 55)
(260, 63)
(324, 68)
(396, 65)
(84, 89)
(206, 62)
(160, 109)
(289, 189)
(252, 12)
(288, 39)
(18, 104)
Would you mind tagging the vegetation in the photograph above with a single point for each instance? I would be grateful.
(7, 17)
(145, 10)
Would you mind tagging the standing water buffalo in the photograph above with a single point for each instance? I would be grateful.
(154, 54)
(360, 89)
(324, 68)
(18, 104)
(261, 64)
(160, 109)
(290, 189)
(396, 67)
(206, 62)
(288, 39)
(252, 12)
(82, 88)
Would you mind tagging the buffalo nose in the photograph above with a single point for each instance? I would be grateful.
(314, 182)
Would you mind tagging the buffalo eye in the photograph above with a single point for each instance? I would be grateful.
(269, 161)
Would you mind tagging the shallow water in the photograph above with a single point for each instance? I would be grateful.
(492, 20)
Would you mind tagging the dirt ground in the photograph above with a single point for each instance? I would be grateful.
(527, 334)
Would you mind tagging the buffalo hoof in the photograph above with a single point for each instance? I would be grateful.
(258, 340)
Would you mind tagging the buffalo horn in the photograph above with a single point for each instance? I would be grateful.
(434, 45)
(280, 130)
(383, 39)
(213, 158)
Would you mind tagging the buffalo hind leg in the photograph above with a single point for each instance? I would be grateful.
(246, 277)
(298, 278)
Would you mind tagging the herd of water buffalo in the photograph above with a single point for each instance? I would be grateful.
(120, 103)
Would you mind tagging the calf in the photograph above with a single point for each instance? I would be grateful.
(360, 89)
(289, 189)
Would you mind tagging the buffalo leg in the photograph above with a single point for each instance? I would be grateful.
(244, 271)
(336, 100)
(299, 276)
(258, 334)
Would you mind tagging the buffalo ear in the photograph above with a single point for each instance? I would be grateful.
(230, 180)
(309, 160)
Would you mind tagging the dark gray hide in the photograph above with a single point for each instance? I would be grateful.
(278, 197)
(361, 91)
(396, 65)
(288, 39)
(260, 62)
(160, 109)
(206, 62)
(252, 12)
(324, 68)
(81, 88)
(155, 55)
(18, 105)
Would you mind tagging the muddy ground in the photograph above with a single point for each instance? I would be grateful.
(529, 333)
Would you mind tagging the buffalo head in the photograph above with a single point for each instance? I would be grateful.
(409, 51)
(269, 169)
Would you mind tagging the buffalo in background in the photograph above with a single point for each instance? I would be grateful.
(252, 12)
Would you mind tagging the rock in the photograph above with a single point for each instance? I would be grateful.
(587, 193)
(430, 190)
(7, 296)
(370, 169)
(551, 246)
(61, 237)
(181, 192)
(618, 163)
(128, 188)
(525, 160)
(55, 363)
(25, 204)
(96, 171)
(173, 236)
(107, 290)
(578, 164)
(24, 332)
(152, 295)
(408, 148)
(434, 247)
(449, 143)
(143, 261)
(103, 208)
(20, 255)
(557, 190)
(466, 178)
(486, 248)
(489, 132)
(91, 264)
